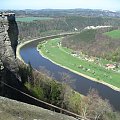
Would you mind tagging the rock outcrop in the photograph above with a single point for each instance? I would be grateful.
(8, 41)
(8, 63)
(14, 110)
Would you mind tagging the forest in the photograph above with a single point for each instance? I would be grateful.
(43, 86)
(37, 28)
(97, 43)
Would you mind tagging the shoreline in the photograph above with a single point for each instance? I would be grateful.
(86, 76)
(81, 74)
(19, 46)
(18, 50)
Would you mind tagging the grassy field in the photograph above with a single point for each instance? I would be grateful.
(63, 56)
(31, 19)
(113, 34)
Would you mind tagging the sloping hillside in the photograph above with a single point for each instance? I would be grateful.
(61, 24)
(94, 42)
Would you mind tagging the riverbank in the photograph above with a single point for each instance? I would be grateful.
(81, 74)
(18, 50)
(41, 38)
(93, 79)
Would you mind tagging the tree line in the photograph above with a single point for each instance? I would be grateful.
(61, 24)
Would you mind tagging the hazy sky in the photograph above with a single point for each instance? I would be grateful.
(60, 4)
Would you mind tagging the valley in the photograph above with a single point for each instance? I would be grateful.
(66, 58)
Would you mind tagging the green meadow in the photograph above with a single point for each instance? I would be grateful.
(113, 34)
(63, 56)
(31, 19)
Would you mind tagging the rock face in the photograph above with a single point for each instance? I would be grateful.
(8, 41)
(8, 63)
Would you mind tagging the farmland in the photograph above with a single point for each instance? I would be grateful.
(115, 34)
(31, 19)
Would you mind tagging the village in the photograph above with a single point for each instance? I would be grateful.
(108, 66)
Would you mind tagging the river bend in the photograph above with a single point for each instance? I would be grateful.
(81, 84)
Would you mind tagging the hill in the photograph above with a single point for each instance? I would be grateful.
(67, 12)
(96, 42)
(28, 30)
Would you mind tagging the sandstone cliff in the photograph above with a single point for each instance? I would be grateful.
(8, 41)
(11, 109)
(8, 63)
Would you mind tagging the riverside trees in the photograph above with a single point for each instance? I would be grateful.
(91, 107)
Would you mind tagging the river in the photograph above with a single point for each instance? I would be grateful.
(81, 84)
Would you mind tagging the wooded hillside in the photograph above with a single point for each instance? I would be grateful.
(62, 24)
(94, 42)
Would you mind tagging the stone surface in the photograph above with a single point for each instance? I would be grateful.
(8, 63)
(8, 41)
(14, 110)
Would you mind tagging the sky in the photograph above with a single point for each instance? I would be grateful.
(112, 5)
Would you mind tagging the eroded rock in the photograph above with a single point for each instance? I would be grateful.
(8, 41)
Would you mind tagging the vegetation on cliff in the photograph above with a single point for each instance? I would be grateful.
(91, 107)
(44, 87)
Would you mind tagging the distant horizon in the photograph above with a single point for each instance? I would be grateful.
(111, 5)
(61, 9)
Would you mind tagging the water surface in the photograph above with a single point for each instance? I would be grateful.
(81, 84)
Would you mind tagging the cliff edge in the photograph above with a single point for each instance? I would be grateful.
(11, 109)
(14, 110)
(8, 63)
(8, 41)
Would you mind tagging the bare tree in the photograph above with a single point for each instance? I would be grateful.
(66, 81)
(93, 107)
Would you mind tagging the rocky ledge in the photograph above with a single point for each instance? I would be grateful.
(14, 110)
(8, 41)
